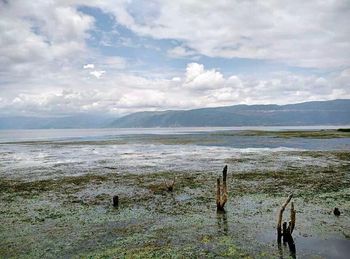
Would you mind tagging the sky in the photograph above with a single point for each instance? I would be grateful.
(115, 57)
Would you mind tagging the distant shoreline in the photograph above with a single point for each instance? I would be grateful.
(29, 135)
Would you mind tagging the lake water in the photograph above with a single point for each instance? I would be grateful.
(108, 133)
(51, 153)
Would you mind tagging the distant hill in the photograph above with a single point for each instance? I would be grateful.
(335, 112)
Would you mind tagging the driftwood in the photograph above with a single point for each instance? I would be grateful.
(280, 216)
(283, 229)
(221, 191)
(286, 231)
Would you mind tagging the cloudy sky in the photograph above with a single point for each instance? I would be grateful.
(116, 57)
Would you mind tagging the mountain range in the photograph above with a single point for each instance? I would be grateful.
(335, 112)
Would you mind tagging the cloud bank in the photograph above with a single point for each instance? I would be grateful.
(48, 65)
(302, 33)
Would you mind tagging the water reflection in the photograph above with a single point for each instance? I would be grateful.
(221, 218)
(286, 242)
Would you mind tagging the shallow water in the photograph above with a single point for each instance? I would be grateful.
(112, 133)
(38, 161)
(40, 154)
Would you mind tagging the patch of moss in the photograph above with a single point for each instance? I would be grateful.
(63, 183)
(343, 130)
(318, 134)
(77, 220)
(307, 181)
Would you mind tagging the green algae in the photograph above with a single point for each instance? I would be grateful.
(317, 134)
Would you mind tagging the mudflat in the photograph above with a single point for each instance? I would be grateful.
(56, 195)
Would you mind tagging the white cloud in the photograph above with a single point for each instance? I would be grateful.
(40, 42)
(143, 99)
(43, 49)
(88, 66)
(309, 34)
(97, 73)
(121, 93)
(176, 79)
(41, 31)
(197, 77)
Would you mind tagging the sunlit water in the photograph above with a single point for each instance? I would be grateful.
(107, 133)
(52, 153)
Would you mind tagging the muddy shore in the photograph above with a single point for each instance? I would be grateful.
(70, 214)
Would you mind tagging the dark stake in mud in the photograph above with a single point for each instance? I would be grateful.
(336, 212)
(115, 201)
(221, 191)
(286, 231)
(170, 185)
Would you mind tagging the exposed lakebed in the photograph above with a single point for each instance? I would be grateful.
(56, 194)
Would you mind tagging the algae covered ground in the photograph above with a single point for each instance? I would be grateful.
(56, 195)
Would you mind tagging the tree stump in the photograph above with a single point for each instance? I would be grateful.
(336, 212)
(282, 229)
(170, 185)
(221, 191)
(115, 201)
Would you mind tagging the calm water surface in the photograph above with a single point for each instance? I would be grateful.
(51, 153)
(108, 133)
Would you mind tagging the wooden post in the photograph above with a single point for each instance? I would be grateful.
(280, 217)
(170, 185)
(284, 231)
(336, 212)
(218, 194)
(224, 187)
(221, 191)
(292, 218)
(115, 201)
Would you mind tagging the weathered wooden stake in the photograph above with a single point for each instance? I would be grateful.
(280, 216)
(292, 218)
(170, 185)
(336, 212)
(218, 192)
(282, 229)
(221, 191)
(115, 201)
